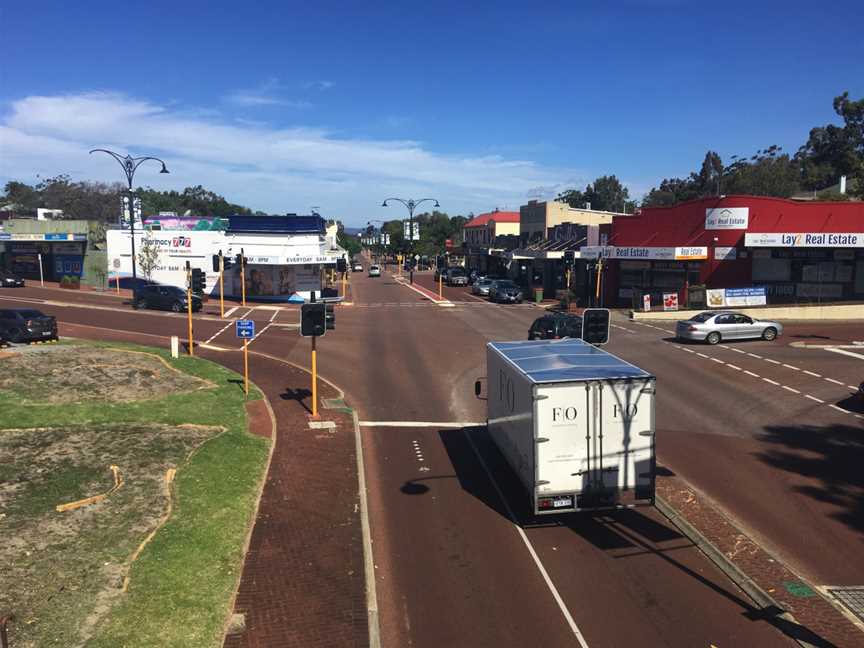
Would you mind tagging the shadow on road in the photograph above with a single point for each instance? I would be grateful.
(832, 456)
(299, 395)
(625, 533)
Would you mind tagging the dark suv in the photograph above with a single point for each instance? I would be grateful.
(166, 298)
(556, 326)
(26, 325)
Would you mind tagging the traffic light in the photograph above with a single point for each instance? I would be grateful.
(329, 316)
(341, 265)
(216, 263)
(595, 325)
(198, 280)
(313, 319)
(569, 258)
(239, 260)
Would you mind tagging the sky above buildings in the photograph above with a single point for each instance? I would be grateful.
(282, 106)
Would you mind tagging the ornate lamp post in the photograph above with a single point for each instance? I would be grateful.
(411, 205)
(130, 165)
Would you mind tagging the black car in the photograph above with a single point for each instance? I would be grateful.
(555, 326)
(9, 280)
(26, 325)
(166, 298)
(505, 290)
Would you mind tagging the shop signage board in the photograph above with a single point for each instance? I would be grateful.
(670, 301)
(805, 239)
(727, 218)
(686, 253)
(9, 236)
(725, 253)
(736, 297)
(646, 303)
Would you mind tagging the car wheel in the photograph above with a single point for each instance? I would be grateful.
(142, 303)
(15, 336)
(769, 333)
(177, 307)
(713, 337)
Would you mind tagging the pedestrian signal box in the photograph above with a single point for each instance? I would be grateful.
(313, 319)
(595, 325)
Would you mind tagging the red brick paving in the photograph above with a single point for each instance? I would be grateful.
(303, 582)
(259, 418)
(813, 612)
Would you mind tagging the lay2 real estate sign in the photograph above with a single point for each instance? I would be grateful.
(805, 239)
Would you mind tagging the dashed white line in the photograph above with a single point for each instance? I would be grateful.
(753, 355)
(231, 310)
(701, 355)
(687, 350)
(813, 398)
(275, 313)
(750, 373)
(836, 382)
(731, 366)
(773, 382)
(839, 409)
(218, 333)
(717, 361)
(736, 350)
(791, 389)
(793, 367)
(814, 374)
(777, 362)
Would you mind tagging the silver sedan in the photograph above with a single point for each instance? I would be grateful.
(713, 326)
(481, 287)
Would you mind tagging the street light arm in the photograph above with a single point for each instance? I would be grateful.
(404, 202)
(140, 160)
(130, 164)
(422, 200)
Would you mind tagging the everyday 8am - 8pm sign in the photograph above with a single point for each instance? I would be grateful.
(805, 239)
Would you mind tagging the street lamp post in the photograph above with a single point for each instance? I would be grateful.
(130, 165)
(411, 204)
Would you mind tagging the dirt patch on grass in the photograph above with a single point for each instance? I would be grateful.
(62, 571)
(74, 374)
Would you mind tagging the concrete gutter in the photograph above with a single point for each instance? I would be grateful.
(827, 312)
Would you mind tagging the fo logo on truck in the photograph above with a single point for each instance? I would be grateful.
(506, 391)
(628, 411)
(564, 414)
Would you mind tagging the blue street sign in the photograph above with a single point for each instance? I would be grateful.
(245, 329)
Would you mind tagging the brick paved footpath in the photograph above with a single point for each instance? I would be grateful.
(823, 625)
(302, 582)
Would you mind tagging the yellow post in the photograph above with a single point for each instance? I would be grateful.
(243, 277)
(314, 380)
(118, 283)
(568, 281)
(246, 366)
(189, 307)
(221, 285)
(440, 284)
(599, 272)
(345, 285)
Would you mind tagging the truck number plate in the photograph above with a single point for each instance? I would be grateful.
(561, 502)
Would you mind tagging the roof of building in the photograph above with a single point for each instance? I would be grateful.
(275, 225)
(497, 216)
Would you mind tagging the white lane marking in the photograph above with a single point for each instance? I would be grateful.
(836, 382)
(687, 350)
(777, 362)
(814, 374)
(753, 355)
(260, 333)
(218, 333)
(845, 352)
(787, 388)
(750, 373)
(701, 355)
(275, 313)
(839, 409)
(773, 382)
(561, 605)
(852, 387)
(230, 310)
(735, 367)
(736, 350)
(422, 424)
(717, 361)
(793, 367)
(818, 400)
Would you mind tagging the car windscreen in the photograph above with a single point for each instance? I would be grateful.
(506, 284)
(30, 314)
(458, 272)
(702, 317)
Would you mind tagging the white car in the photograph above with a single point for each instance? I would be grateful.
(374, 271)
(713, 327)
(357, 267)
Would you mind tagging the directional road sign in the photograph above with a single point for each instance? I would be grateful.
(245, 329)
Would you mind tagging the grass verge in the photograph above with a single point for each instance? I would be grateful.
(181, 584)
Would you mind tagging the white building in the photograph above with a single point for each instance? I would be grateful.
(285, 256)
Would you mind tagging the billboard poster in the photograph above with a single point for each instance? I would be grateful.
(646, 303)
(738, 297)
(727, 218)
(725, 253)
(670, 301)
(715, 297)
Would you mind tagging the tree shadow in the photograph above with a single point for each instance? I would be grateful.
(299, 395)
(625, 533)
(832, 455)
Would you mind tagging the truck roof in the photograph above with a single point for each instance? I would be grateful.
(568, 360)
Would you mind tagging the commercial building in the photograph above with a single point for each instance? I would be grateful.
(286, 256)
(537, 218)
(735, 250)
(486, 236)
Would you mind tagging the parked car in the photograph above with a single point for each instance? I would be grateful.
(456, 277)
(165, 298)
(860, 392)
(556, 326)
(357, 267)
(714, 326)
(481, 287)
(374, 271)
(505, 291)
(9, 280)
(26, 325)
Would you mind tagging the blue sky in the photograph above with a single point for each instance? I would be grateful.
(282, 105)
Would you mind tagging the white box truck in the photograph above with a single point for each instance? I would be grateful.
(574, 422)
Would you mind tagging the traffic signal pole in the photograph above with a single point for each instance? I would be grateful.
(246, 366)
(243, 276)
(440, 283)
(189, 305)
(314, 379)
(221, 285)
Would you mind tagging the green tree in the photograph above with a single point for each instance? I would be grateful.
(605, 194)
(832, 151)
(148, 256)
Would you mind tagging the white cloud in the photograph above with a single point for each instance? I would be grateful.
(265, 167)
(318, 85)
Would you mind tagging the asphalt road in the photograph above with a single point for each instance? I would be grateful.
(751, 425)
